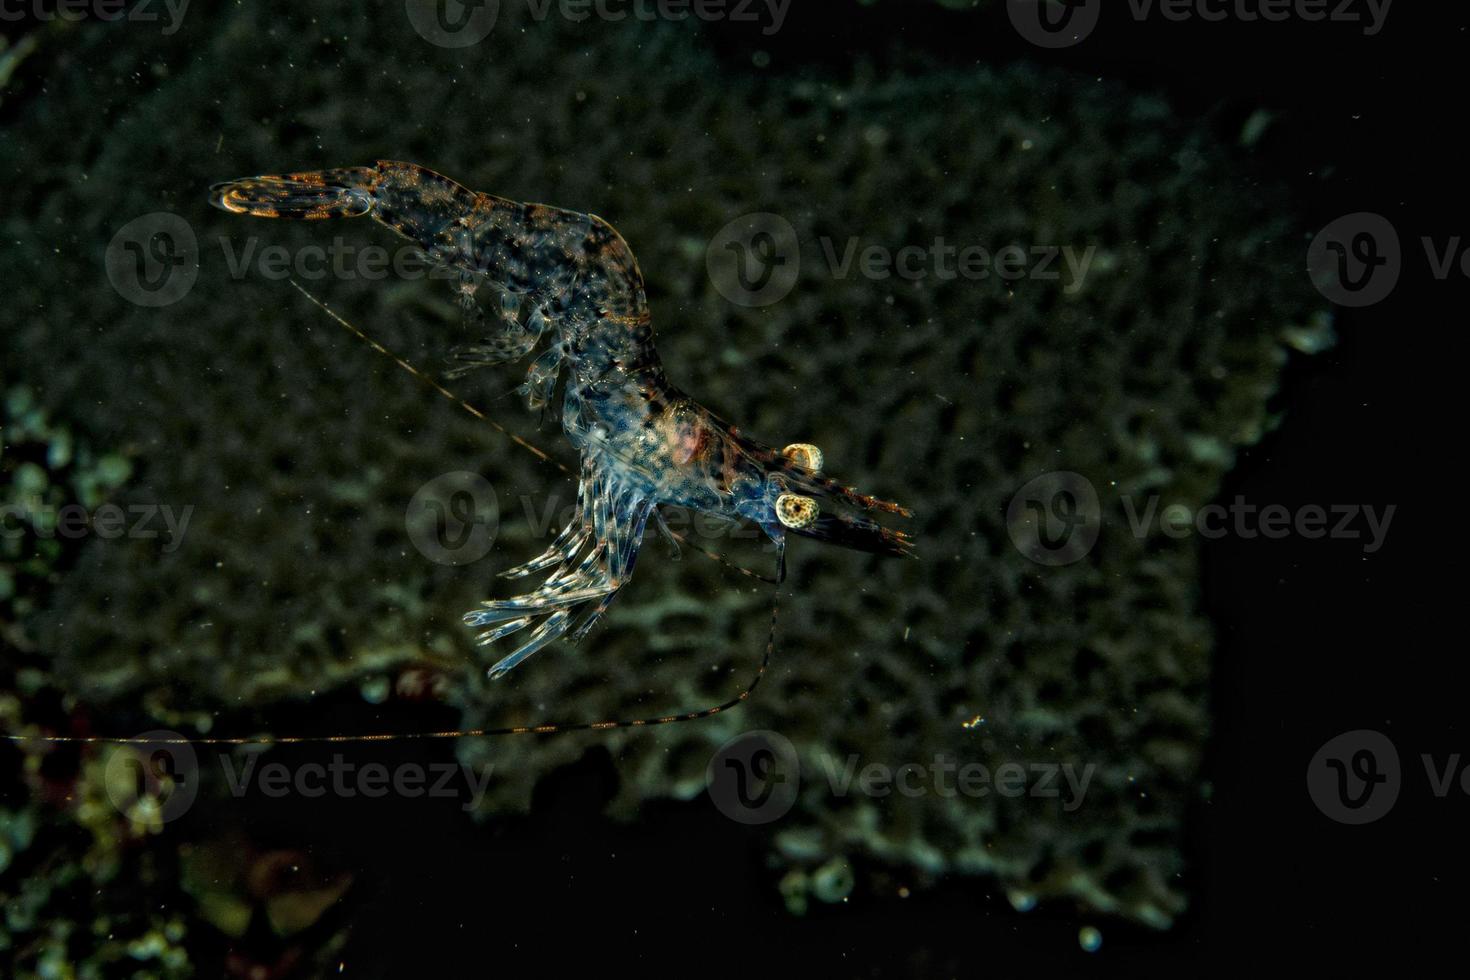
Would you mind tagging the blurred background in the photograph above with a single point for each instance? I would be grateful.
(1059, 278)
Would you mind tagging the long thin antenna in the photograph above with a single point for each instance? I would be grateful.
(477, 413)
(360, 335)
(553, 728)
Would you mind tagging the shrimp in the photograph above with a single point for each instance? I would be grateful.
(570, 279)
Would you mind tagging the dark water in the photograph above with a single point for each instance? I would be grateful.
(1078, 307)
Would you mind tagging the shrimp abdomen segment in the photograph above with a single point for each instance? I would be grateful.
(525, 248)
(408, 198)
(342, 193)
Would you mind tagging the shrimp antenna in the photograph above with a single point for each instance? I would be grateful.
(551, 728)
(477, 413)
(430, 381)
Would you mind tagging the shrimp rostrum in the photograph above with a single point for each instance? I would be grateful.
(570, 280)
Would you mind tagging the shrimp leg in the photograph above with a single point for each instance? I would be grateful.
(608, 526)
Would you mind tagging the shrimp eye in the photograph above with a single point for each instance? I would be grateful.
(805, 454)
(796, 512)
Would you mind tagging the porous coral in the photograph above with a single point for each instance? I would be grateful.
(300, 449)
(71, 862)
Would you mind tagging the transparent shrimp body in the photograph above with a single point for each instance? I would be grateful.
(568, 280)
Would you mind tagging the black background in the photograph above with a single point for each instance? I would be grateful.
(1315, 637)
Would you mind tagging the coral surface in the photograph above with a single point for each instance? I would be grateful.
(299, 449)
